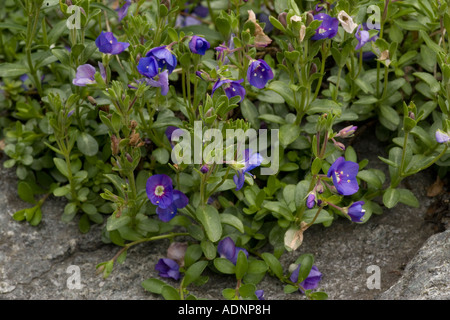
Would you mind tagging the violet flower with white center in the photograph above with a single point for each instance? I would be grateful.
(328, 29)
(259, 73)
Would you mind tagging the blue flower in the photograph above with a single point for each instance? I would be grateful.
(180, 200)
(123, 11)
(231, 87)
(311, 200)
(251, 161)
(198, 45)
(107, 43)
(258, 73)
(442, 137)
(344, 176)
(160, 190)
(328, 29)
(168, 268)
(164, 57)
(355, 211)
(160, 81)
(227, 249)
(260, 294)
(362, 36)
(311, 281)
(85, 75)
(148, 66)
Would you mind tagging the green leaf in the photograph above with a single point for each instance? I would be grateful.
(306, 262)
(114, 223)
(153, 285)
(224, 265)
(208, 248)
(161, 155)
(408, 198)
(241, 265)
(87, 144)
(19, 215)
(210, 219)
(371, 178)
(430, 80)
(194, 272)
(84, 225)
(391, 197)
(273, 263)
(319, 295)
(25, 192)
(289, 133)
(257, 266)
(247, 291)
(283, 89)
(232, 220)
(289, 289)
(12, 69)
(61, 166)
(36, 217)
(280, 208)
(170, 293)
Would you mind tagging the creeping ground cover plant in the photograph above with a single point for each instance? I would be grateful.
(224, 126)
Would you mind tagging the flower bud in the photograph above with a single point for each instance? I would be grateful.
(282, 18)
(114, 145)
(129, 158)
(92, 100)
(204, 168)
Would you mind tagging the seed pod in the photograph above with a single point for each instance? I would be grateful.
(114, 145)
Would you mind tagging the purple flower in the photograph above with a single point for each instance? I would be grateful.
(362, 36)
(148, 67)
(204, 168)
(344, 176)
(231, 87)
(251, 161)
(347, 132)
(260, 294)
(107, 43)
(168, 268)
(328, 29)
(169, 131)
(355, 211)
(180, 200)
(198, 45)
(311, 200)
(227, 249)
(442, 137)
(160, 81)
(164, 57)
(311, 281)
(160, 190)
(85, 75)
(123, 11)
(192, 19)
(258, 73)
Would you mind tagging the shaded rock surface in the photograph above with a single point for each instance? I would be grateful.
(38, 262)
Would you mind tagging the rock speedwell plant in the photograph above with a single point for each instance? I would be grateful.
(306, 75)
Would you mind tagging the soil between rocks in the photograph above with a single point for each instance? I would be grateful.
(34, 261)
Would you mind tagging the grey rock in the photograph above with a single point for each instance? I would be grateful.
(426, 277)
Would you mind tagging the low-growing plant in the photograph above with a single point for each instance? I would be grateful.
(223, 126)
